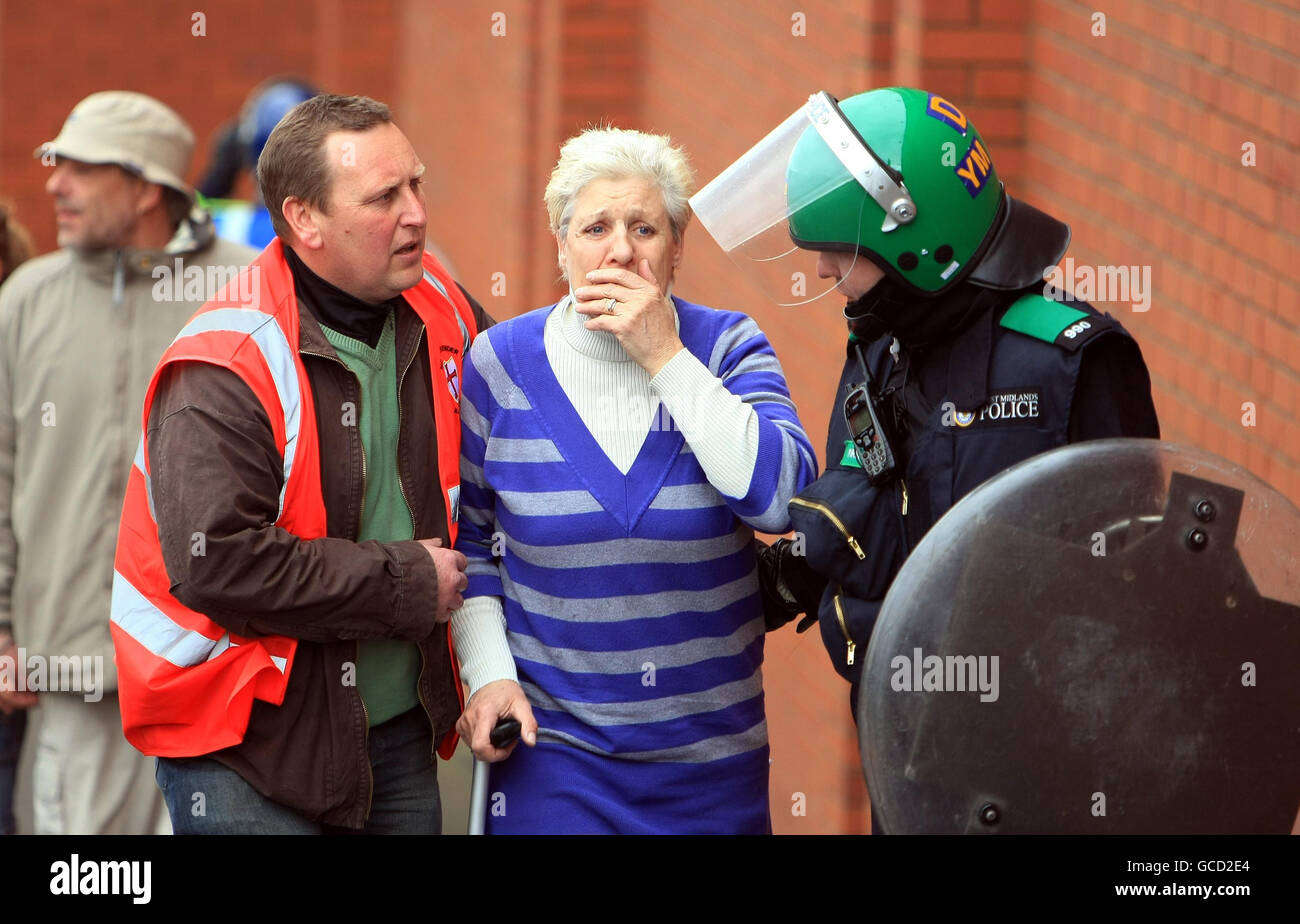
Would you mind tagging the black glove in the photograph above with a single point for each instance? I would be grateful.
(787, 586)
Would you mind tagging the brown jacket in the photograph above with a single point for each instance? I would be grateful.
(215, 471)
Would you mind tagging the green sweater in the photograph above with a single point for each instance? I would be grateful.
(388, 670)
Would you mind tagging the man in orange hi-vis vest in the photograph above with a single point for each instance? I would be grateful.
(284, 572)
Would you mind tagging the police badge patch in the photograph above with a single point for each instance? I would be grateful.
(1013, 407)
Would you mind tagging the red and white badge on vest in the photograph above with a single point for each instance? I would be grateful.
(453, 378)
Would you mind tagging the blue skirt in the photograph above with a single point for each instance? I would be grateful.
(559, 789)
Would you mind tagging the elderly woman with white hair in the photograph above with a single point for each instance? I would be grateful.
(619, 449)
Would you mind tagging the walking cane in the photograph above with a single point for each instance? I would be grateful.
(506, 731)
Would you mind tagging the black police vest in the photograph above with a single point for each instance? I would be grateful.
(1034, 362)
(1031, 388)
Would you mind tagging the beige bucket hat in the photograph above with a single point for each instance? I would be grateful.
(129, 129)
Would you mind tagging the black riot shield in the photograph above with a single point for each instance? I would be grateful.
(1102, 639)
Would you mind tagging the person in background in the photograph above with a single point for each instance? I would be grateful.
(238, 145)
(15, 248)
(620, 448)
(16, 245)
(80, 331)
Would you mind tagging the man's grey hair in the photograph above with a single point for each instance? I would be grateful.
(617, 154)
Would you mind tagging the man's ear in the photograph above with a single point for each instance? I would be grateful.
(681, 245)
(300, 216)
(149, 198)
(559, 247)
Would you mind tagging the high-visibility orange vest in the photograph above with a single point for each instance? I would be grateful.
(186, 686)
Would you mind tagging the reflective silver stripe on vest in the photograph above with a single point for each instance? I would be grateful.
(130, 609)
(162, 637)
(148, 483)
(152, 628)
(436, 283)
(224, 642)
(460, 322)
(280, 359)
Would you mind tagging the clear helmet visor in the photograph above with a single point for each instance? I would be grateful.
(810, 159)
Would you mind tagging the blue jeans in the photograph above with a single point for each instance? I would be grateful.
(405, 790)
(11, 742)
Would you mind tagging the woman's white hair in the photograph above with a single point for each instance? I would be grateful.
(615, 154)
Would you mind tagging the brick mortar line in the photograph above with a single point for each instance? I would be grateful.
(1218, 24)
(1136, 199)
(1055, 79)
(1163, 128)
(1126, 233)
(1036, 29)
(1187, 399)
(1292, 376)
(1180, 266)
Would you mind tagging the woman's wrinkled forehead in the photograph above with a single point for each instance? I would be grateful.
(629, 197)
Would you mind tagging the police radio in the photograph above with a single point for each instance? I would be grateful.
(867, 433)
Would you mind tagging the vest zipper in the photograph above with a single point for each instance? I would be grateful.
(904, 486)
(839, 616)
(835, 521)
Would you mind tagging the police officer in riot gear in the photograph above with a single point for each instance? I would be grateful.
(959, 361)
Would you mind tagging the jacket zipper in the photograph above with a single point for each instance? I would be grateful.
(835, 521)
(370, 773)
(119, 278)
(904, 485)
(356, 658)
(400, 379)
(839, 616)
(419, 682)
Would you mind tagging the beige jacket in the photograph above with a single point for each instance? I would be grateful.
(79, 340)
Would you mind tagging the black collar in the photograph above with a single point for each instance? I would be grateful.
(960, 321)
(336, 309)
(968, 363)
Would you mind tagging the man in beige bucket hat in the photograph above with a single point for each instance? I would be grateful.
(80, 332)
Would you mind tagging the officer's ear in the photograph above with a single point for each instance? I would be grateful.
(303, 221)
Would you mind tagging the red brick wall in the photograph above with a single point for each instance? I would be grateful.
(51, 57)
(1138, 143)
(1135, 138)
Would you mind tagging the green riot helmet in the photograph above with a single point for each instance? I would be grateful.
(899, 176)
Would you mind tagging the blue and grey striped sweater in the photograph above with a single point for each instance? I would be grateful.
(631, 602)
